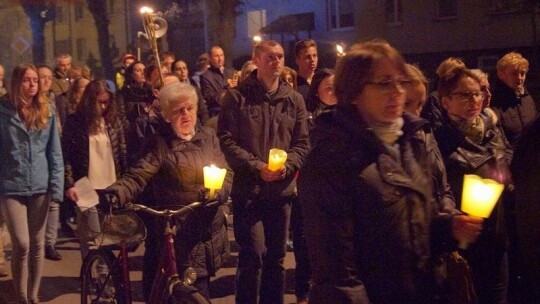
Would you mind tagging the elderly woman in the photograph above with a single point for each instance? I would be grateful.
(366, 192)
(471, 143)
(175, 164)
(511, 100)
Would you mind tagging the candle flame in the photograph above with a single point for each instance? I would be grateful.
(146, 10)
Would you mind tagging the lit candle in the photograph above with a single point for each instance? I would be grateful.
(213, 178)
(479, 196)
(276, 159)
(340, 50)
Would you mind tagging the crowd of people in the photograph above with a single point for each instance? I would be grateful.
(370, 192)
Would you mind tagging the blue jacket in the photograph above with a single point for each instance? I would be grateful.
(32, 161)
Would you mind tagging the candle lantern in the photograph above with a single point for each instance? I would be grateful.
(479, 197)
(213, 178)
(276, 159)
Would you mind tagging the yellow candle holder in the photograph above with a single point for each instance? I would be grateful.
(213, 178)
(479, 197)
(276, 159)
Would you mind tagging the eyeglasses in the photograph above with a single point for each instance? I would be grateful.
(465, 96)
(389, 85)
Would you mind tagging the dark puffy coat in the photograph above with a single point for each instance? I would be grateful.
(367, 217)
(250, 124)
(76, 148)
(175, 167)
(516, 113)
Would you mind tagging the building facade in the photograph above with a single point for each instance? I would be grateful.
(71, 31)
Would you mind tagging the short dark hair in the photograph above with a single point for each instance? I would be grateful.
(260, 47)
(303, 44)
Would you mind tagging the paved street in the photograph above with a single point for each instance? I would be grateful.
(60, 284)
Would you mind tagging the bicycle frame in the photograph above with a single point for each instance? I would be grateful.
(167, 272)
(167, 267)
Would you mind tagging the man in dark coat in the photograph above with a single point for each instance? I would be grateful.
(215, 81)
(262, 113)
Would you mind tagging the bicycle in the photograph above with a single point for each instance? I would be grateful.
(105, 276)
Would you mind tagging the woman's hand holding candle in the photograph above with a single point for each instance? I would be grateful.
(466, 228)
(478, 199)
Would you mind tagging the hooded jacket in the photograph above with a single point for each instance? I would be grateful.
(31, 160)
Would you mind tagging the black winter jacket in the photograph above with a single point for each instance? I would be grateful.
(489, 159)
(516, 113)
(252, 122)
(367, 216)
(75, 145)
(175, 167)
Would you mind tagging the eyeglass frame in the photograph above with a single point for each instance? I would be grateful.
(389, 85)
(465, 96)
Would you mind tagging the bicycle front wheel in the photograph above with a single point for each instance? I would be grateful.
(179, 293)
(99, 279)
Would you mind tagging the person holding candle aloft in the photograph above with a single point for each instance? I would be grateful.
(366, 189)
(262, 113)
(471, 143)
(174, 163)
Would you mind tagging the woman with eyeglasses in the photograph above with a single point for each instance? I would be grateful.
(471, 143)
(365, 190)
(31, 175)
(94, 146)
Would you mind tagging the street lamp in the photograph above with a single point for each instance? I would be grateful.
(257, 39)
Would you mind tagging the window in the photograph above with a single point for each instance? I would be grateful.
(446, 9)
(81, 49)
(394, 11)
(505, 6)
(78, 11)
(63, 46)
(341, 13)
(59, 14)
(110, 6)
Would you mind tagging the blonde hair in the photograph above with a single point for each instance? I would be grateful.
(449, 64)
(513, 59)
(35, 112)
(417, 76)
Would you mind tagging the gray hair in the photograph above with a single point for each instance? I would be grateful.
(174, 91)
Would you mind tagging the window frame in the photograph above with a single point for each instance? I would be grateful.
(397, 12)
(438, 9)
(337, 15)
(512, 6)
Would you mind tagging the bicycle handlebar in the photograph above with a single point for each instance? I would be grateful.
(170, 212)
